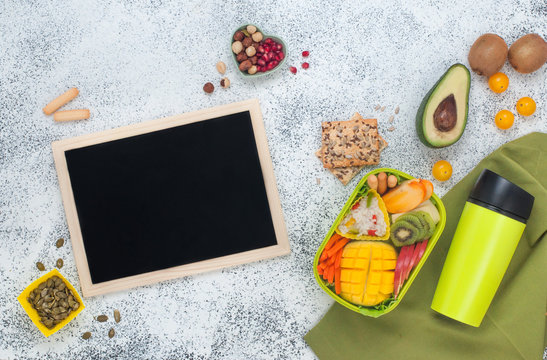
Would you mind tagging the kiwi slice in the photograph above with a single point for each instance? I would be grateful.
(414, 220)
(427, 223)
(404, 233)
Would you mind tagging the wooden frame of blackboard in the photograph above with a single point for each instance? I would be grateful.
(91, 289)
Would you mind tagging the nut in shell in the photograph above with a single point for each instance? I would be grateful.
(247, 42)
(245, 65)
(221, 67)
(242, 56)
(208, 88)
(251, 29)
(250, 51)
(237, 47)
(239, 35)
(257, 37)
(252, 70)
(225, 83)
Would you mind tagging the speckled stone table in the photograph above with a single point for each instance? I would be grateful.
(138, 60)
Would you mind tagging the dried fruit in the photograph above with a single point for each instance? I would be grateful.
(305, 53)
(40, 266)
(117, 316)
(208, 88)
(257, 36)
(60, 242)
(239, 35)
(225, 83)
(86, 335)
(237, 47)
(221, 68)
(251, 29)
(59, 263)
(111, 333)
(102, 318)
(305, 65)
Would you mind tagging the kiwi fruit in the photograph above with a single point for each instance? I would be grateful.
(488, 54)
(528, 53)
(404, 233)
(414, 220)
(427, 223)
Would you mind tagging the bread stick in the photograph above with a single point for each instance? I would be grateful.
(60, 101)
(69, 115)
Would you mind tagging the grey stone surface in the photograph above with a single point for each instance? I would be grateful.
(138, 60)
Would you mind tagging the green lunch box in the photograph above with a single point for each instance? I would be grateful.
(391, 303)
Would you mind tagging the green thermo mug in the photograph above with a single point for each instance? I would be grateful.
(490, 227)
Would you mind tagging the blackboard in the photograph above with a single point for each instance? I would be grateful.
(170, 197)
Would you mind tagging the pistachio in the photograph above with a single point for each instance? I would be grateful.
(102, 318)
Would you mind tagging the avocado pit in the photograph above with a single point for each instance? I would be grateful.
(445, 116)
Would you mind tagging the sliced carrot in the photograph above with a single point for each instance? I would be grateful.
(340, 244)
(330, 275)
(337, 283)
(319, 270)
(335, 237)
(331, 260)
(338, 259)
(323, 265)
(323, 256)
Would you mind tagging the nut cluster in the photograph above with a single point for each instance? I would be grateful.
(253, 53)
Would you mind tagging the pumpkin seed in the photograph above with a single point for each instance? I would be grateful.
(86, 335)
(111, 333)
(60, 242)
(40, 266)
(102, 318)
(117, 316)
(60, 263)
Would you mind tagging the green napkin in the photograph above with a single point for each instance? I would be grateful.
(514, 326)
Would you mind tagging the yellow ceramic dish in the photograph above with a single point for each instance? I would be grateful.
(33, 314)
(382, 207)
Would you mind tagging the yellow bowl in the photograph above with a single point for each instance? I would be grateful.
(33, 314)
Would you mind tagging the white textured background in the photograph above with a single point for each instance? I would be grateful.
(139, 60)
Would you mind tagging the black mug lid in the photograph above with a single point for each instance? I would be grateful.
(499, 192)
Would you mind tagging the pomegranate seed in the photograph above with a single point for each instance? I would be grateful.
(266, 58)
(293, 69)
(279, 47)
(260, 49)
(259, 68)
(280, 56)
(266, 48)
(305, 65)
(258, 55)
(269, 41)
(305, 53)
(270, 66)
(275, 63)
(261, 61)
(271, 55)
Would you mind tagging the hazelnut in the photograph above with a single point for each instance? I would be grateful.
(237, 47)
(257, 37)
(251, 29)
(253, 59)
(250, 51)
(208, 88)
(255, 45)
(245, 65)
(252, 70)
(247, 42)
(241, 57)
(239, 35)
(221, 67)
(225, 82)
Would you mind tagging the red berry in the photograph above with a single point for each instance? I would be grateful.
(293, 69)
(305, 65)
(305, 53)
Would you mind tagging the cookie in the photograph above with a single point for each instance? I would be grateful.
(350, 143)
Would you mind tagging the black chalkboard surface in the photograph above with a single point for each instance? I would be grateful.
(171, 197)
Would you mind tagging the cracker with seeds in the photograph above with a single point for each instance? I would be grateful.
(350, 143)
(345, 174)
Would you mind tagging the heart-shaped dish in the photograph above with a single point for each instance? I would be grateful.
(266, 38)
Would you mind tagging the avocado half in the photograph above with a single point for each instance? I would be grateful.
(442, 115)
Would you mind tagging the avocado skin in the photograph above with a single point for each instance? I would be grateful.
(421, 109)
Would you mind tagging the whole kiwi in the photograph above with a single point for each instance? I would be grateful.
(488, 54)
(528, 53)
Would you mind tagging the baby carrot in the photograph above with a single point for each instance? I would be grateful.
(337, 284)
(332, 240)
(338, 259)
(319, 270)
(323, 256)
(330, 276)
